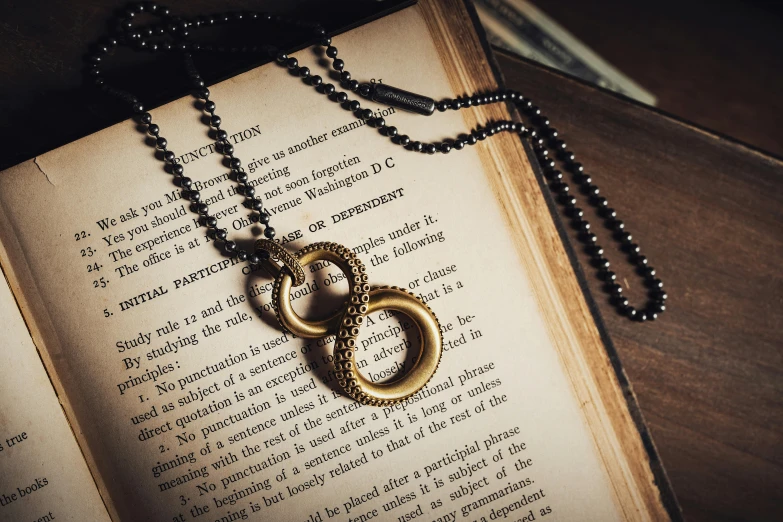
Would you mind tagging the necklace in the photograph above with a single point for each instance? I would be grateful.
(549, 147)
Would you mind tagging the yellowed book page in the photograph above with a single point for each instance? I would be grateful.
(43, 476)
(190, 402)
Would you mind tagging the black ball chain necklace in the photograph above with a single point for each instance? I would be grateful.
(171, 35)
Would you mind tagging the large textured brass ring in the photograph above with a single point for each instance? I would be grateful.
(281, 255)
(385, 394)
(345, 324)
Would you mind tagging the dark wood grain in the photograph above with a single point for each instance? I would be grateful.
(708, 212)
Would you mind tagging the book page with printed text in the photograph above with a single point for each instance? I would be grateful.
(189, 401)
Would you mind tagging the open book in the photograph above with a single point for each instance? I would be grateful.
(172, 393)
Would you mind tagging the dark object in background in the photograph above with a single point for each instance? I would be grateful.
(718, 63)
(715, 63)
(45, 101)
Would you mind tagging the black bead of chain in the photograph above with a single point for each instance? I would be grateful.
(224, 146)
(538, 131)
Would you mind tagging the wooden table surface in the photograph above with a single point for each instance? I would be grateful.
(714, 63)
(708, 213)
(706, 210)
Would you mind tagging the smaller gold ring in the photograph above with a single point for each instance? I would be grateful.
(281, 255)
(353, 269)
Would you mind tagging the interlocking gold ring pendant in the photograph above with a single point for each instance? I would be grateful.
(345, 325)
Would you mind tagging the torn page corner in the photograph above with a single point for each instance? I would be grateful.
(35, 160)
